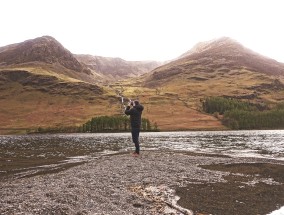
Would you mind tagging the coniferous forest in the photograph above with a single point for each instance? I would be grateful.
(238, 114)
(114, 124)
(100, 124)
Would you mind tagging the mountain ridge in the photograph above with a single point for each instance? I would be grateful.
(214, 43)
(217, 54)
(44, 49)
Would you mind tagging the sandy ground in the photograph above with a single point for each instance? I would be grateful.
(155, 183)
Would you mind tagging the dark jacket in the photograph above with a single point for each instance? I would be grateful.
(135, 115)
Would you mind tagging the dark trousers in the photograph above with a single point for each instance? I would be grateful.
(135, 138)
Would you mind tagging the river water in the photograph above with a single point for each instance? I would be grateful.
(26, 155)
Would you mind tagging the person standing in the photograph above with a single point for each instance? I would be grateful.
(134, 110)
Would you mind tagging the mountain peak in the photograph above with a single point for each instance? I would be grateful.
(219, 43)
(42, 49)
(45, 37)
(223, 54)
(44, 40)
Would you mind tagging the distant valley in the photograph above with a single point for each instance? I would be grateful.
(42, 84)
(113, 69)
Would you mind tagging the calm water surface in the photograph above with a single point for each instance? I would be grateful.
(28, 155)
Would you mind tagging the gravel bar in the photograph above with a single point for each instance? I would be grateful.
(123, 184)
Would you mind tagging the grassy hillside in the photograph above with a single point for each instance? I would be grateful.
(31, 100)
(167, 108)
(173, 106)
(37, 94)
(220, 68)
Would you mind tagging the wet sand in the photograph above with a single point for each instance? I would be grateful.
(151, 184)
(250, 188)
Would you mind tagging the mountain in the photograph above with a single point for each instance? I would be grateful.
(221, 67)
(39, 79)
(223, 54)
(48, 53)
(116, 68)
(43, 49)
(229, 49)
(42, 84)
(42, 61)
(45, 55)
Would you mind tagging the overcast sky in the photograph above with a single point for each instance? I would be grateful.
(145, 29)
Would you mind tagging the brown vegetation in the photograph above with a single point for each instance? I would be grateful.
(43, 85)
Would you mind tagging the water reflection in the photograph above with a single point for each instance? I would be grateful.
(33, 154)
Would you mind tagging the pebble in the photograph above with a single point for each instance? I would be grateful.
(114, 185)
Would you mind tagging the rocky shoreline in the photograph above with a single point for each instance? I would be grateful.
(166, 182)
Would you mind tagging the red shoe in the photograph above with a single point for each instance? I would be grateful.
(135, 154)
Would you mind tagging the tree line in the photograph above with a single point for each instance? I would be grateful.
(221, 105)
(99, 124)
(240, 119)
(114, 124)
(244, 115)
(60, 129)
